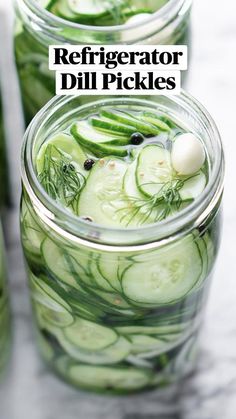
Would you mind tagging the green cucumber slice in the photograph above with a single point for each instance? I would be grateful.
(120, 379)
(65, 144)
(111, 355)
(193, 187)
(112, 270)
(139, 212)
(143, 343)
(114, 299)
(153, 119)
(90, 8)
(169, 275)
(61, 9)
(90, 336)
(32, 233)
(153, 169)
(127, 119)
(53, 308)
(99, 280)
(101, 200)
(99, 143)
(62, 265)
(106, 125)
(167, 330)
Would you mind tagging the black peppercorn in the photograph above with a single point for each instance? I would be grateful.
(88, 164)
(136, 138)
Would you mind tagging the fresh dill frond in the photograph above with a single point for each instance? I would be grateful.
(60, 179)
(157, 207)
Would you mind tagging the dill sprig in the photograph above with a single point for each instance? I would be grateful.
(60, 179)
(159, 206)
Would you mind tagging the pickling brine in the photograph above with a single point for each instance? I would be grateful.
(119, 237)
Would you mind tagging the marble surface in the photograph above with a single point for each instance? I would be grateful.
(29, 391)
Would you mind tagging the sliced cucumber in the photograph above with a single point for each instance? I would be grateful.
(153, 119)
(106, 125)
(153, 169)
(61, 9)
(112, 270)
(90, 336)
(139, 212)
(54, 309)
(98, 278)
(114, 300)
(143, 343)
(99, 143)
(103, 200)
(193, 187)
(90, 8)
(46, 3)
(167, 330)
(62, 265)
(167, 277)
(32, 233)
(128, 119)
(107, 378)
(111, 355)
(67, 146)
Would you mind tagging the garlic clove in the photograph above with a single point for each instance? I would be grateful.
(188, 154)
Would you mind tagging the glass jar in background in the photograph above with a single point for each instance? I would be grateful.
(36, 29)
(98, 325)
(4, 188)
(4, 310)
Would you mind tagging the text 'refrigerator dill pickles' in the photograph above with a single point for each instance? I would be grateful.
(120, 223)
(43, 23)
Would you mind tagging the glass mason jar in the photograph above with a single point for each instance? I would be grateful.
(4, 309)
(36, 29)
(4, 190)
(97, 325)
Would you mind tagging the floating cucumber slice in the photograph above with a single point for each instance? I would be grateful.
(61, 9)
(120, 379)
(193, 187)
(102, 201)
(98, 143)
(153, 169)
(62, 265)
(111, 355)
(106, 125)
(139, 212)
(54, 309)
(90, 336)
(67, 146)
(130, 185)
(128, 119)
(153, 119)
(91, 8)
(167, 277)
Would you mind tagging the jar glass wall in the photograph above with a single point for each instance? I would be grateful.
(4, 309)
(36, 29)
(4, 189)
(99, 323)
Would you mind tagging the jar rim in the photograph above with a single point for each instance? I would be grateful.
(61, 220)
(164, 15)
